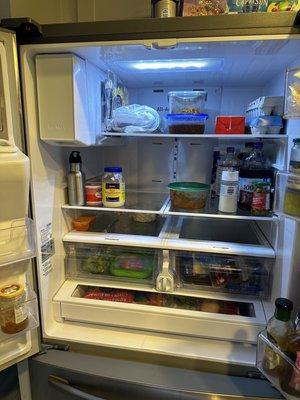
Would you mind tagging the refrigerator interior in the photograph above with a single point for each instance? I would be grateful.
(239, 71)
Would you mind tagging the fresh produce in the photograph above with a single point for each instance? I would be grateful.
(137, 266)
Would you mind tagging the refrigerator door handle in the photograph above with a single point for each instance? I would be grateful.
(64, 386)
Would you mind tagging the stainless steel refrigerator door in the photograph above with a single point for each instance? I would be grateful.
(63, 375)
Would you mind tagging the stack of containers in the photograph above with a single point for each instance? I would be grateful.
(186, 112)
(264, 115)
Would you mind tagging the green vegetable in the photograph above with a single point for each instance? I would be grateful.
(98, 264)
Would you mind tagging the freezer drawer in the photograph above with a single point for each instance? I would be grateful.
(219, 273)
(210, 315)
(55, 374)
(129, 264)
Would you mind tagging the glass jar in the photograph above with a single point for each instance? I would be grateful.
(260, 204)
(13, 310)
(295, 157)
(113, 187)
(292, 197)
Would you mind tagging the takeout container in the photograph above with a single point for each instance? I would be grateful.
(187, 102)
(188, 195)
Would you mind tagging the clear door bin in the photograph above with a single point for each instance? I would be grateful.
(287, 196)
(229, 274)
(16, 241)
(292, 94)
(278, 368)
(110, 262)
(18, 316)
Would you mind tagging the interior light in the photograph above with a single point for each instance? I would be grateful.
(208, 64)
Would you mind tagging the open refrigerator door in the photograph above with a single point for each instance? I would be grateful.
(18, 302)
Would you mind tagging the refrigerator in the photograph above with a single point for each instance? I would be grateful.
(92, 327)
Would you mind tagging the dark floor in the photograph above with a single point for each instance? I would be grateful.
(9, 385)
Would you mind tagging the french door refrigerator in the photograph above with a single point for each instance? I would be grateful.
(122, 295)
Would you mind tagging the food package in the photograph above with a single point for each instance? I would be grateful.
(267, 124)
(247, 6)
(135, 118)
(136, 266)
(231, 125)
(292, 94)
(119, 295)
(192, 8)
(285, 5)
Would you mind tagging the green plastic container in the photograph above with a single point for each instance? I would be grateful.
(189, 195)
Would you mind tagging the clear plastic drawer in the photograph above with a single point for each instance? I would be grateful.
(229, 274)
(278, 368)
(110, 262)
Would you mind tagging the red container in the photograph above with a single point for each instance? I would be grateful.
(230, 125)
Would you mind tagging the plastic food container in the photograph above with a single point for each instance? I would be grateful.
(187, 102)
(83, 223)
(265, 125)
(188, 195)
(184, 124)
(93, 193)
(231, 125)
(292, 94)
(137, 266)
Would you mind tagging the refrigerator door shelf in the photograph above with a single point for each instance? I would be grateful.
(17, 241)
(71, 306)
(287, 195)
(23, 315)
(277, 367)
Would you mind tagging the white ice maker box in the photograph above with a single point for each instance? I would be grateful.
(69, 99)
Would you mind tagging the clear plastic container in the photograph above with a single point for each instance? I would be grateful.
(188, 195)
(278, 368)
(110, 262)
(180, 124)
(292, 94)
(187, 102)
(264, 125)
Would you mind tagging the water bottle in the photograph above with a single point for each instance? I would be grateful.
(75, 180)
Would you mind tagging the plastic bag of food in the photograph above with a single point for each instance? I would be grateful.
(135, 118)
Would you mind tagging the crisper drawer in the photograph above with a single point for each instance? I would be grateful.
(93, 261)
(249, 276)
(224, 236)
(278, 368)
(202, 315)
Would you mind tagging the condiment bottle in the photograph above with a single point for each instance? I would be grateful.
(290, 379)
(279, 328)
(229, 163)
(229, 191)
(113, 187)
(75, 180)
(261, 198)
(13, 311)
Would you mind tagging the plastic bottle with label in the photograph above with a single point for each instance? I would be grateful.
(229, 192)
(113, 187)
(229, 163)
(256, 168)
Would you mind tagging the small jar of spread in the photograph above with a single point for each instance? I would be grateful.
(13, 310)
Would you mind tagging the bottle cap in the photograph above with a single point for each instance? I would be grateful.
(75, 158)
(296, 141)
(231, 176)
(113, 169)
(284, 304)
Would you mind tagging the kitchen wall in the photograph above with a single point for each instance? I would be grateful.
(63, 11)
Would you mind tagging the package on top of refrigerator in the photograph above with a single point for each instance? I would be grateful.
(192, 8)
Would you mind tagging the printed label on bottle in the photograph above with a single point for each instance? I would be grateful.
(229, 190)
(114, 192)
(261, 201)
(247, 187)
(20, 313)
(93, 194)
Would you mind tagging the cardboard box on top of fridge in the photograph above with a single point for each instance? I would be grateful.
(69, 99)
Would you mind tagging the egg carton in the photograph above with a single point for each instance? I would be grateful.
(266, 106)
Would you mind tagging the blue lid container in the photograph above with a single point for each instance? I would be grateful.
(113, 169)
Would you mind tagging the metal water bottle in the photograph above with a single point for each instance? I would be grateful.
(75, 180)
